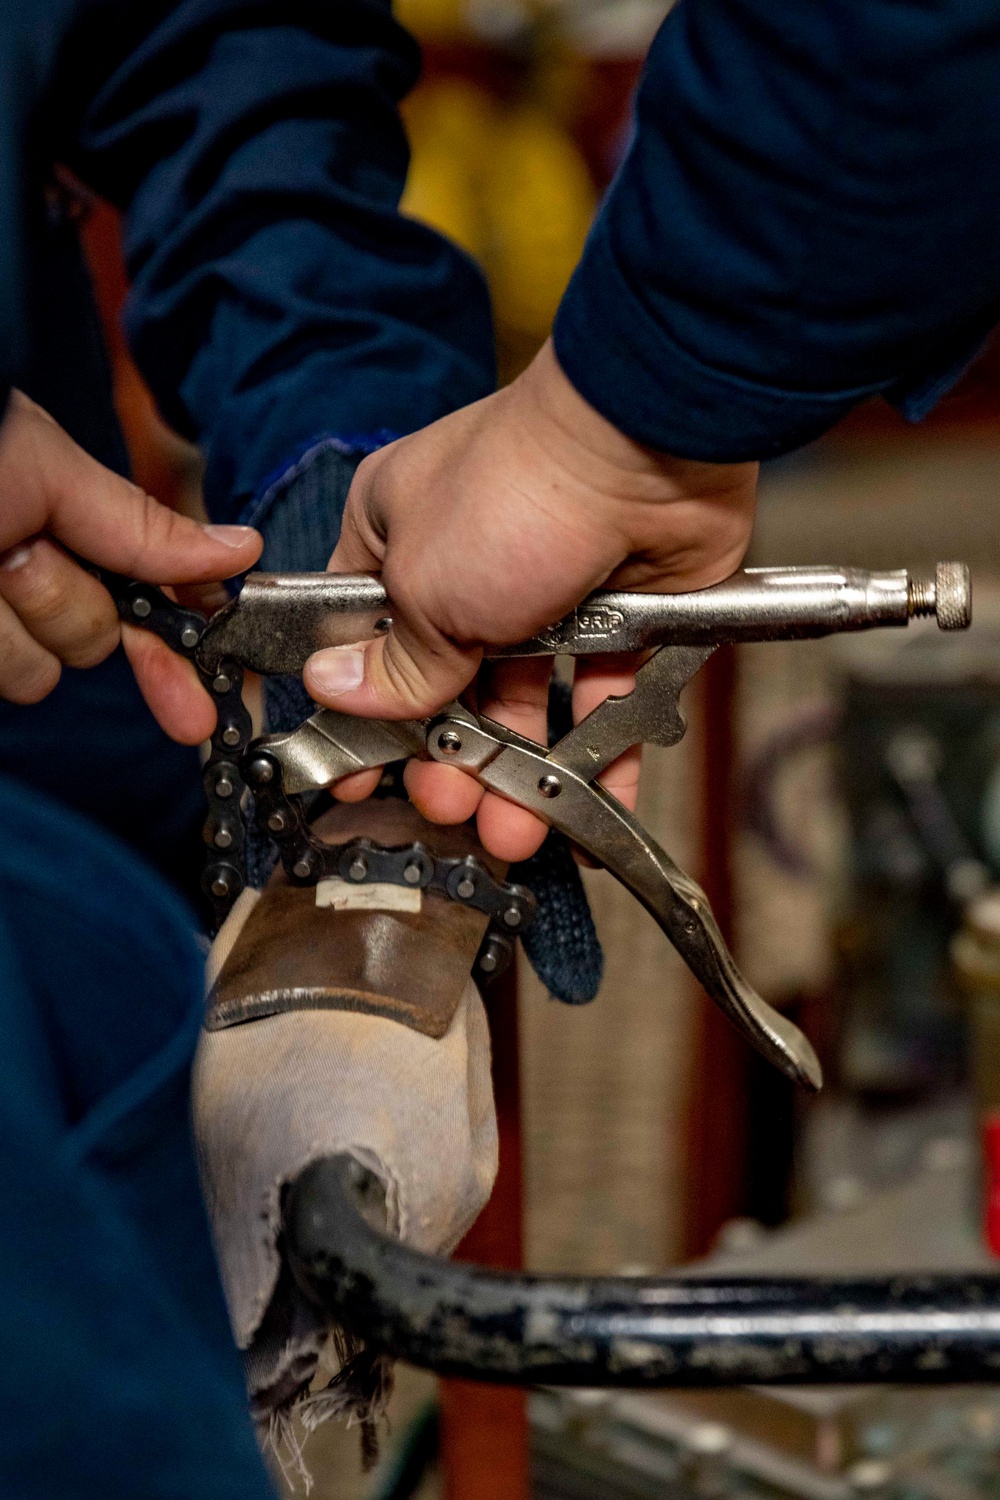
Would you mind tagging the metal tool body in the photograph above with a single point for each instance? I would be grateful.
(468, 1320)
(279, 620)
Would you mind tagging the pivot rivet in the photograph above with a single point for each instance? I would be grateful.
(449, 742)
(262, 770)
(550, 786)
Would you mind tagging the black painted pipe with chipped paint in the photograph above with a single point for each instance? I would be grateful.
(477, 1323)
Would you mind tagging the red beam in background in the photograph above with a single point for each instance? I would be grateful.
(716, 1164)
(484, 1428)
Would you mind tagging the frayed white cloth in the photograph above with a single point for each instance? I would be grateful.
(272, 1095)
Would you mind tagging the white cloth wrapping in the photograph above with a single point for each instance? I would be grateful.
(272, 1095)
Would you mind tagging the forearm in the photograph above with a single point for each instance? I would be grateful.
(277, 293)
(807, 217)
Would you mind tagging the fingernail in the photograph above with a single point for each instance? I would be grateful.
(17, 556)
(231, 536)
(337, 670)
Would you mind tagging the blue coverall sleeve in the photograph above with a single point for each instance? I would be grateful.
(277, 292)
(809, 215)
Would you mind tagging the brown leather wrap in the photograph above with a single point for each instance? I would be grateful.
(410, 967)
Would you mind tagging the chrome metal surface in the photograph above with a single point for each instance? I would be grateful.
(599, 823)
(649, 715)
(280, 619)
(332, 744)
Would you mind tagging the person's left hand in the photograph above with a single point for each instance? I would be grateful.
(56, 501)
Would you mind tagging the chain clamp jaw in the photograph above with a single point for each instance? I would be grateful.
(279, 620)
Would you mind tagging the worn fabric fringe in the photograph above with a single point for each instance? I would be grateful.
(357, 1393)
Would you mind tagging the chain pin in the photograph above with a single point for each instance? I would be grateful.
(189, 637)
(512, 917)
(223, 787)
(141, 608)
(412, 873)
(466, 888)
(277, 822)
(222, 683)
(223, 838)
(230, 735)
(358, 868)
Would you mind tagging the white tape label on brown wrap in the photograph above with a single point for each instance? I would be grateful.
(344, 895)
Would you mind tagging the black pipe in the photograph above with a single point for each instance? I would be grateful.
(470, 1321)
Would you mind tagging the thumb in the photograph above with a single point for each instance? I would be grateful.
(398, 676)
(113, 523)
(109, 521)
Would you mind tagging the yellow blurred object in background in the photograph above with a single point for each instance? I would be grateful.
(509, 185)
(432, 20)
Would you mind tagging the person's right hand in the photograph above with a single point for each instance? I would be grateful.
(55, 499)
(493, 523)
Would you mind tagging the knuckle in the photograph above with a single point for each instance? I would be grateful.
(91, 647)
(406, 681)
(29, 682)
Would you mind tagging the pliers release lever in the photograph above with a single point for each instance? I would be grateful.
(279, 620)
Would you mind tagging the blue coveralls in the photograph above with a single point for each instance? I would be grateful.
(809, 216)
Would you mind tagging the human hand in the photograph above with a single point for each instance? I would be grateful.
(54, 497)
(491, 524)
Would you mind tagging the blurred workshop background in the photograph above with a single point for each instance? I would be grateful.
(841, 803)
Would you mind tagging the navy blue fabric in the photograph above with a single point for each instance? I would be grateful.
(118, 1375)
(807, 216)
(276, 290)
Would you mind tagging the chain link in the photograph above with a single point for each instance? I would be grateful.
(238, 772)
(306, 860)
